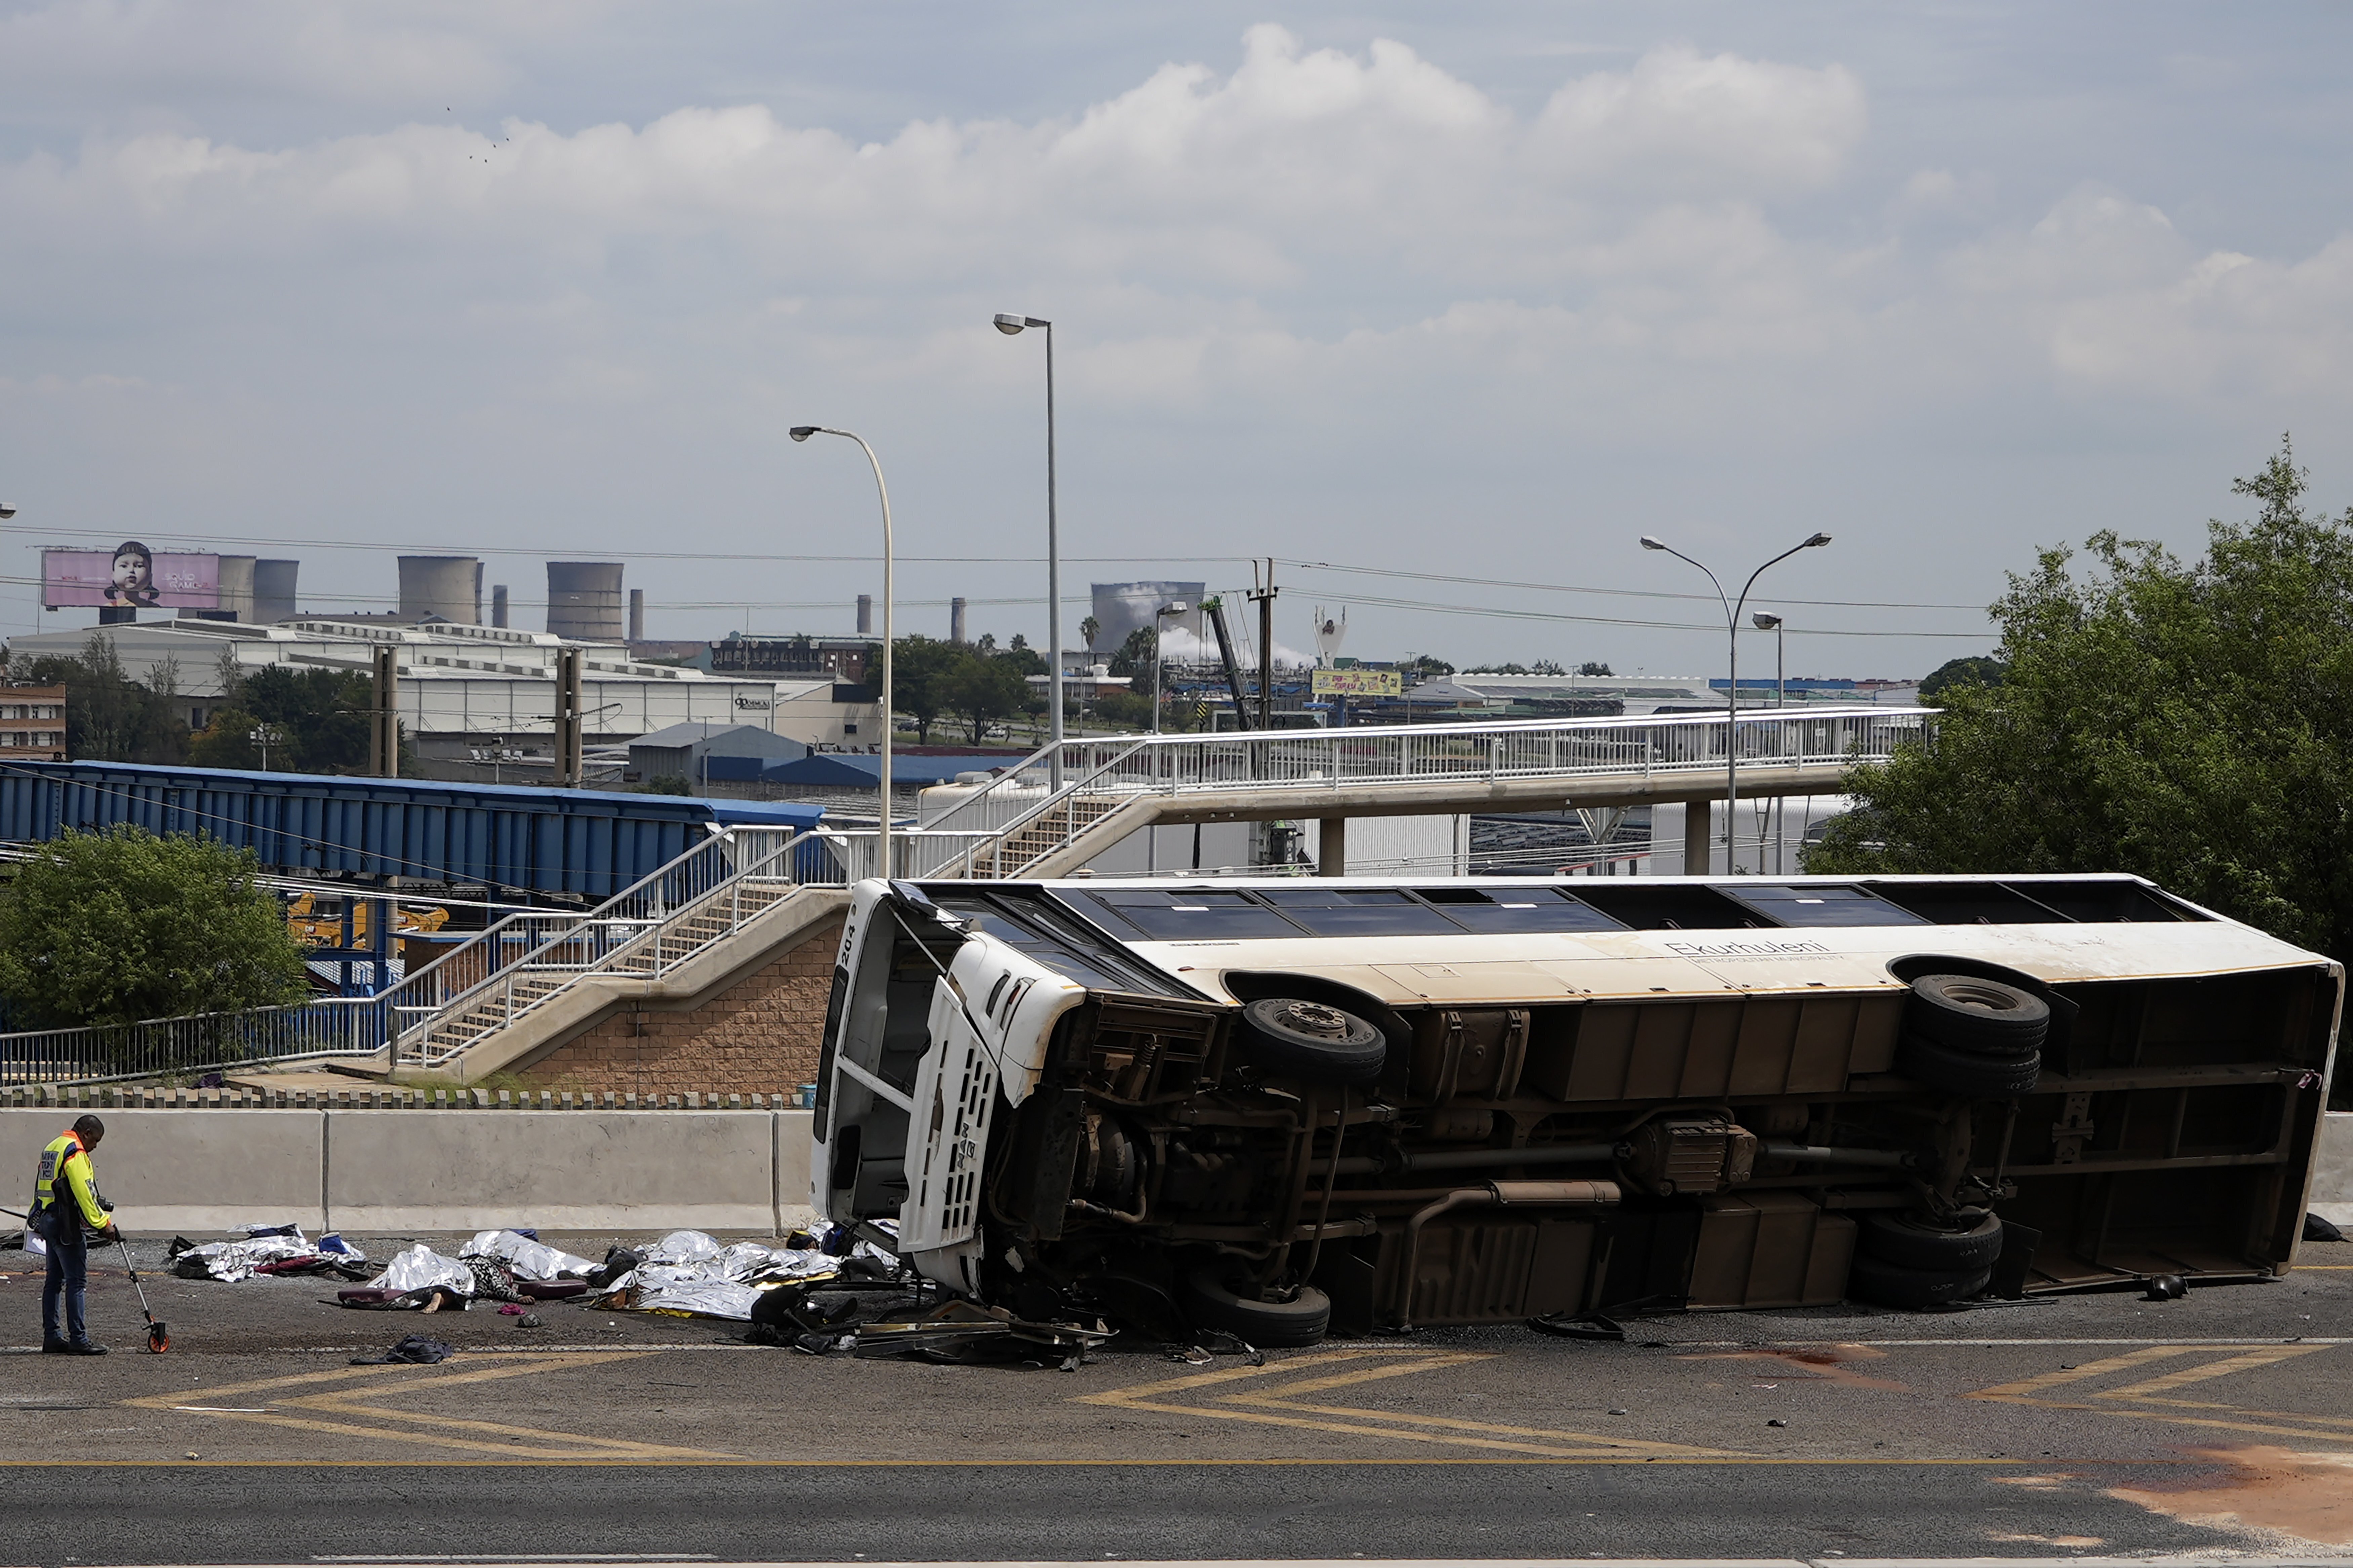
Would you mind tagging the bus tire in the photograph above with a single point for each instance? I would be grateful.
(1967, 1013)
(1212, 1303)
(1916, 1241)
(1312, 1041)
(1969, 1074)
(1877, 1280)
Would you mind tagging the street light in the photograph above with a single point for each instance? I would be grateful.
(1174, 607)
(882, 819)
(6, 511)
(1011, 325)
(1769, 622)
(1731, 694)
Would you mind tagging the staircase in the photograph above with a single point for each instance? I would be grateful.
(440, 1016)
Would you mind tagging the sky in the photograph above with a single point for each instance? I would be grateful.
(1441, 307)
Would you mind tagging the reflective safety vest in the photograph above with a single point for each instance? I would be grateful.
(66, 1183)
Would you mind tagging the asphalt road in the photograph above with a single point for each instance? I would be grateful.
(2086, 1426)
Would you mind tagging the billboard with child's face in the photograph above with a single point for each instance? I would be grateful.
(130, 575)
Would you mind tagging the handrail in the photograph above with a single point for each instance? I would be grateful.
(600, 942)
(1278, 759)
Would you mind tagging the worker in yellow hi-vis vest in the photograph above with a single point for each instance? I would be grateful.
(66, 1210)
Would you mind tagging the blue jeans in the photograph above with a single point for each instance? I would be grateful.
(68, 1276)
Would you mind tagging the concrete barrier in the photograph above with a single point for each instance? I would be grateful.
(191, 1171)
(2332, 1168)
(635, 1170)
(794, 1130)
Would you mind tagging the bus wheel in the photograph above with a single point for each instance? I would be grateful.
(1293, 1039)
(1212, 1303)
(1876, 1279)
(1916, 1241)
(1971, 1015)
(1973, 1074)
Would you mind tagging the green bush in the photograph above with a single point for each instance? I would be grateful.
(119, 926)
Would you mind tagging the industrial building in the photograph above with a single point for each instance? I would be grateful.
(464, 689)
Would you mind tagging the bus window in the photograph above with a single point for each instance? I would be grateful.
(1164, 914)
(1368, 912)
(1504, 910)
(1797, 905)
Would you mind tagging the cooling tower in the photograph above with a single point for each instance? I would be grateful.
(498, 604)
(584, 600)
(273, 592)
(237, 572)
(449, 586)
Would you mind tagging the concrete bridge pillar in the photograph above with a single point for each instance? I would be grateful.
(1331, 846)
(1699, 837)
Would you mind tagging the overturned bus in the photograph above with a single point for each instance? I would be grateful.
(1284, 1107)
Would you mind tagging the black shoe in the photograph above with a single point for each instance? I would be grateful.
(85, 1348)
(55, 1347)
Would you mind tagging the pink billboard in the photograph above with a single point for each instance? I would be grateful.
(130, 575)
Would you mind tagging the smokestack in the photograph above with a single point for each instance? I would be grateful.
(498, 604)
(636, 614)
(584, 600)
(236, 574)
(866, 614)
(273, 591)
(955, 620)
(449, 586)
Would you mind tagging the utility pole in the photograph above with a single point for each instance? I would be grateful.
(1263, 597)
(383, 752)
(568, 718)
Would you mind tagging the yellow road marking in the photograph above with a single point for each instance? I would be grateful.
(2153, 1391)
(1552, 1444)
(2019, 1392)
(518, 1442)
(2225, 1368)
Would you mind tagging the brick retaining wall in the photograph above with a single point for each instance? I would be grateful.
(759, 1036)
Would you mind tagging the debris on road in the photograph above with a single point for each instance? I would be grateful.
(962, 1331)
(267, 1249)
(414, 1349)
(526, 1256)
(688, 1274)
(417, 1279)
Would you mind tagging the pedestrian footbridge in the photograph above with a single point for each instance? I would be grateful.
(747, 893)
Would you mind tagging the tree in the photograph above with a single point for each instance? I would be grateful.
(983, 688)
(2190, 724)
(1090, 629)
(111, 718)
(322, 713)
(920, 672)
(1590, 667)
(228, 742)
(1976, 669)
(120, 926)
(1134, 655)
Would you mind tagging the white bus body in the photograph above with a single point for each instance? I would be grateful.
(1479, 1099)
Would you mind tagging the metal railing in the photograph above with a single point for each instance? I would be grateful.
(526, 961)
(1012, 821)
(324, 1027)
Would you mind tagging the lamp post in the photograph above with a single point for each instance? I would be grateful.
(882, 819)
(1011, 325)
(1778, 812)
(1175, 607)
(1732, 693)
(1767, 623)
